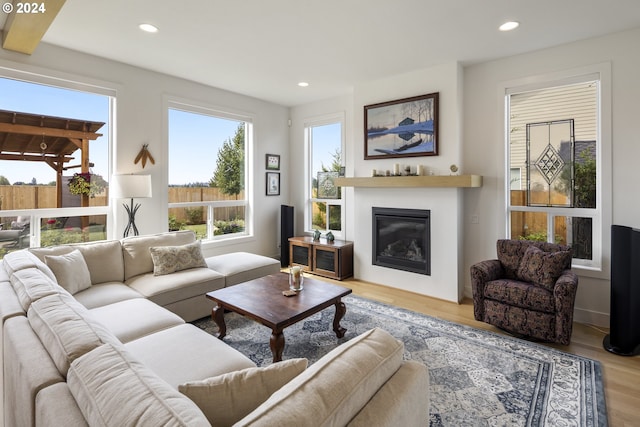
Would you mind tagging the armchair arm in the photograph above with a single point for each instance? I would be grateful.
(481, 273)
(564, 294)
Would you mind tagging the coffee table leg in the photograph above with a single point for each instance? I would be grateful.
(218, 317)
(276, 342)
(341, 309)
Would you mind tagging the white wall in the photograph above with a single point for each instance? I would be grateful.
(472, 137)
(484, 147)
(140, 119)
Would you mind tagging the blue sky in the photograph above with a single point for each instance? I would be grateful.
(39, 99)
(194, 138)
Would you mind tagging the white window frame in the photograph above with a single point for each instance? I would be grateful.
(188, 106)
(60, 80)
(308, 210)
(601, 215)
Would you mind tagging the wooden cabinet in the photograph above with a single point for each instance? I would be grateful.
(333, 260)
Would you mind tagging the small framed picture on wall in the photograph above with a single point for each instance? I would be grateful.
(273, 183)
(273, 162)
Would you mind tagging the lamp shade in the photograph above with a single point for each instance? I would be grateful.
(130, 186)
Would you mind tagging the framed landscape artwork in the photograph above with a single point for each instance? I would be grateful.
(402, 128)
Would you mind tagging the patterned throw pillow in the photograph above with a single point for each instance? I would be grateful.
(543, 268)
(169, 259)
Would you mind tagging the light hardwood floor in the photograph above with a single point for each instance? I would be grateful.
(621, 374)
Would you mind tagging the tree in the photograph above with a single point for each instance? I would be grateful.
(4, 180)
(229, 172)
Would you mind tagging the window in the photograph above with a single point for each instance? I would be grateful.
(208, 172)
(555, 167)
(70, 141)
(324, 211)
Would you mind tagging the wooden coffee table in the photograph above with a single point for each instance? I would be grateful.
(262, 300)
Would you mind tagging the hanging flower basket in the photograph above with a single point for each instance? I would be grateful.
(86, 184)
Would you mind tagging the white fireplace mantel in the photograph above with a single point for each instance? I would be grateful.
(443, 181)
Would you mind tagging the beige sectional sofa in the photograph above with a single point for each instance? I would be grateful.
(118, 352)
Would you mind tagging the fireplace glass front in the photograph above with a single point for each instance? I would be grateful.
(401, 239)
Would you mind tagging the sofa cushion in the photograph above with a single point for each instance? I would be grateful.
(135, 250)
(114, 389)
(169, 259)
(543, 268)
(104, 259)
(134, 318)
(20, 260)
(238, 267)
(27, 369)
(401, 401)
(106, 293)
(520, 294)
(71, 271)
(31, 284)
(65, 412)
(40, 253)
(187, 353)
(66, 329)
(335, 388)
(9, 303)
(240, 392)
(178, 286)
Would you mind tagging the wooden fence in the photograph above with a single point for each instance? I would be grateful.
(527, 223)
(197, 215)
(13, 197)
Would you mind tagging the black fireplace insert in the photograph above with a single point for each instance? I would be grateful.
(402, 239)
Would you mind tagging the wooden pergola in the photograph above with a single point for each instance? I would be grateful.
(52, 140)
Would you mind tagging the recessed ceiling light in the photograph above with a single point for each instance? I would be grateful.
(148, 28)
(508, 26)
(303, 84)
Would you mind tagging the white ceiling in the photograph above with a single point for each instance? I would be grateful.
(263, 48)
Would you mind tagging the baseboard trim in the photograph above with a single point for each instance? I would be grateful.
(590, 317)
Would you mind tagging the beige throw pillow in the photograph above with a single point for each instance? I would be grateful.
(71, 271)
(228, 398)
(169, 259)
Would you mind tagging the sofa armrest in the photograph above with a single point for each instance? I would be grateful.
(481, 273)
(402, 401)
(564, 294)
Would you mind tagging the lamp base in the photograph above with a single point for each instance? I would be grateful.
(131, 212)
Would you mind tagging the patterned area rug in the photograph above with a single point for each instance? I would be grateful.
(478, 378)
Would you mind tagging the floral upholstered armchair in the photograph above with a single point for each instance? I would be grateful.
(529, 290)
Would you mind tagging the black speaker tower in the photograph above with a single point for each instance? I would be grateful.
(624, 336)
(286, 231)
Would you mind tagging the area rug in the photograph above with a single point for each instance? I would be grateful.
(477, 378)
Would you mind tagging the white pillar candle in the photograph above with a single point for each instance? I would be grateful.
(396, 169)
(420, 170)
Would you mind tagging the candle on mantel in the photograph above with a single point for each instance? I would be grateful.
(420, 170)
(396, 169)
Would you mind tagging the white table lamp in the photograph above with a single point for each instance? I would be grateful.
(133, 187)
